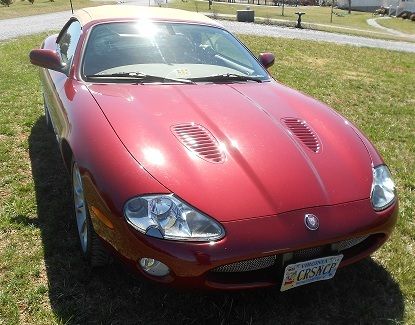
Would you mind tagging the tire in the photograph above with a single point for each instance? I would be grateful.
(91, 247)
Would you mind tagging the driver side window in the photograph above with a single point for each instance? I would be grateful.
(67, 42)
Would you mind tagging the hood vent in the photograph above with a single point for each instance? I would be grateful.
(303, 132)
(200, 141)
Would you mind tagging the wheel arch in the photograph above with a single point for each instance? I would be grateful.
(67, 154)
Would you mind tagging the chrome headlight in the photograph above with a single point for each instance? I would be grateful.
(383, 188)
(165, 216)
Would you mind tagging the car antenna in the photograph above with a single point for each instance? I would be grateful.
(71, 6)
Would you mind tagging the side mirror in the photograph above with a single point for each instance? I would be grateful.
(48, 59)
(267, 59)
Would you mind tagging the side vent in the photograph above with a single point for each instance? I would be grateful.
(200, 141)
(303, 133)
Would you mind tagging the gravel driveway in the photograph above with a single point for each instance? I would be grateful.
(313, 35)
(15, 27)
(12, 28)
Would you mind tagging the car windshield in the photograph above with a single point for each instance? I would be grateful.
(167, 52)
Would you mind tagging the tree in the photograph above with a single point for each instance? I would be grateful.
(31, 1)
(350, 6)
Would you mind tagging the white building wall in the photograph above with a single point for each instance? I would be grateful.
(360, 5)
(398, 6)
(371, 5)
(408, 5)
(393, 3)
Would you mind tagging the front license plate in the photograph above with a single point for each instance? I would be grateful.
(298, 274)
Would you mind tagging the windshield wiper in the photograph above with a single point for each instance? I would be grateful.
(136, 77)
(228, 77)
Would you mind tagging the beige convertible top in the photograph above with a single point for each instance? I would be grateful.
(115, 12)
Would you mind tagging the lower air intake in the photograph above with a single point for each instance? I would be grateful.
(346, 244)
(298, 255)
(249, 265)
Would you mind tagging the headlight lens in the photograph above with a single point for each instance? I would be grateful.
(383, 188)
(165, 216)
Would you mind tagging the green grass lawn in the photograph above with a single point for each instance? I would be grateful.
(44, 281)
(399, 24)
(22, 8)
(353, 24)
(313, 14)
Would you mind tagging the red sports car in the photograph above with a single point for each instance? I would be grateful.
(195, 167)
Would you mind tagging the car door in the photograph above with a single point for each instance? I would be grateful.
(55, 93)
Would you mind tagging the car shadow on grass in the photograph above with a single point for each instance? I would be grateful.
(362, 293)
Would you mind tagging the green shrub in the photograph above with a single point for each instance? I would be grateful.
(6, 3)
(404, 15)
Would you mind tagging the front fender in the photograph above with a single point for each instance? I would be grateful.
(109, 172)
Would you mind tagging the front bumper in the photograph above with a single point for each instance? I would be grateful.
(282, 239)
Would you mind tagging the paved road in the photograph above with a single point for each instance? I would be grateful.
(12, 28)
(15, 27)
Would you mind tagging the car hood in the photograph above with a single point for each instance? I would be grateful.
(279, 150)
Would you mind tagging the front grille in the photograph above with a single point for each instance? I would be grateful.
(308, 253)
(299, 255)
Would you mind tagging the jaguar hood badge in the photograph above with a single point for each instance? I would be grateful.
(311, 221)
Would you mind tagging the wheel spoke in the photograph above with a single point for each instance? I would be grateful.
(83, 227)
(78, 191)
(79, 205)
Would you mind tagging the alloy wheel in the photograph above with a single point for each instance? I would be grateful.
(80, 207)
